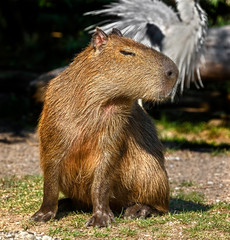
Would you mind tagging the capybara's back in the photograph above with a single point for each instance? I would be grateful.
(97, 144)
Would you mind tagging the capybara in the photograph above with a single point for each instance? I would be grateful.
(97, 145)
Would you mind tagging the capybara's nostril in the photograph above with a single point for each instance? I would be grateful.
(171, 70)
(169, 73)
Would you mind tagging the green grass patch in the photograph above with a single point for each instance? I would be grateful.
(195, 197)
(189, 217)
(189, 135)
(186, 184)
(128, 231)
(21, 195)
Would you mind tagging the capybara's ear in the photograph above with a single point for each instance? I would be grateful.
(117, 32)
(99, 39)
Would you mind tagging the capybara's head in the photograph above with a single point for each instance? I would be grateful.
(131, 69)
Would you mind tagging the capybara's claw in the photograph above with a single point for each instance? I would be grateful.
(42, 217)
(101, 220)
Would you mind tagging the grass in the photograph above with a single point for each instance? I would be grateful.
(189, 217)
(180, 135)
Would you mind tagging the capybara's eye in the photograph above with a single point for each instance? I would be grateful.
(127, 53)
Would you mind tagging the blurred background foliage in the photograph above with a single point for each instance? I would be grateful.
(40, 35)
(37, 36)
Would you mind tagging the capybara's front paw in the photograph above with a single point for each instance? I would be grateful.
(139, 211)
(41, 216)
(101, 219)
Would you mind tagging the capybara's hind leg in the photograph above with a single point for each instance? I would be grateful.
(139, 210)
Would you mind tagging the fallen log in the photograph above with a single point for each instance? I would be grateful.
(217, 55)
(38, 86)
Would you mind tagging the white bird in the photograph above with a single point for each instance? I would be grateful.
(179, 35)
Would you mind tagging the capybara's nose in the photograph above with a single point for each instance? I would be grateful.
(171, 70)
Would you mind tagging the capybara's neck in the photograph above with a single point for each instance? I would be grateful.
(84, 79)
(80, 98)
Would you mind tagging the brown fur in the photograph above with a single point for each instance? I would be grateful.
(97, 144)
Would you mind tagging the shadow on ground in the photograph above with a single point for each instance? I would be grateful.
(177, 206)
(195, 146)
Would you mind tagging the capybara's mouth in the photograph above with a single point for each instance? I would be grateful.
(165, 93)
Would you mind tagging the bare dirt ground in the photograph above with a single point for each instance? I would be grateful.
(209, 173)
